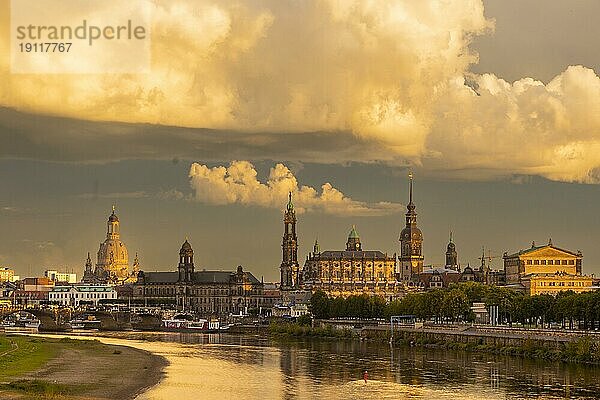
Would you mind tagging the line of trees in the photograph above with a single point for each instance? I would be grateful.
(453, 304)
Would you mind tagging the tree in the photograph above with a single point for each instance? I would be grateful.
(320, 305)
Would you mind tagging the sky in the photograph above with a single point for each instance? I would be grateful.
(493, 105)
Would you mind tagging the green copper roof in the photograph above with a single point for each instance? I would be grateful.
(353, 234)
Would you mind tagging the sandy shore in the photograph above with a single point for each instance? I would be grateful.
(92, 370)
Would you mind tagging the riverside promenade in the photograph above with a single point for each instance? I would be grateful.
(467, 333)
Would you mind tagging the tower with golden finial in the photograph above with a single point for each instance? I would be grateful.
(411, 242)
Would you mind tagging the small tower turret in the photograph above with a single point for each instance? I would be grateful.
(186, 262)
(353, 242)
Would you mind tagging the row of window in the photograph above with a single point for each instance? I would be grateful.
(80, 296)
(562, 284)
(551, 262)
(367, 277)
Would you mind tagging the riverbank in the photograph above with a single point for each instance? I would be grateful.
(579, 350)
(33, 367)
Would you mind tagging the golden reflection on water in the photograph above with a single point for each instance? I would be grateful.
(208, 372)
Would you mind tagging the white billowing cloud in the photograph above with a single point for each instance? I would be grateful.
(390, 72)
(238, 183)
(526, 127)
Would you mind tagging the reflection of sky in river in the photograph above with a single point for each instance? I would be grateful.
(247, 367)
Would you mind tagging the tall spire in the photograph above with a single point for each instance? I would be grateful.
(450, 236)
(289, 268)
(290, 205)
(411, 215)
(410, 177)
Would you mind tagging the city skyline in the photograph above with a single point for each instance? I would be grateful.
(496, 116)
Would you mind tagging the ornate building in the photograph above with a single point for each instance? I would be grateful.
(411, 243)
(112, 265)
(546, 270)
(209, 293)
(289, 268)
(351, 271)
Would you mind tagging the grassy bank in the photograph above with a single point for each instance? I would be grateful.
(297, 330)
(47, 368)
(22, 354)
(581, 350)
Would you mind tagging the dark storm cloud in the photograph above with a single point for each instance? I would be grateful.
(50, 138)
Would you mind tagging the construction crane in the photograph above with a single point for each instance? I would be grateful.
(487, 258)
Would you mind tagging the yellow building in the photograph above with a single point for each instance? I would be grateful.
(351, 271)
(6, 274)
(547, 259)
(557, 282)
(546, 270)
(113, 260)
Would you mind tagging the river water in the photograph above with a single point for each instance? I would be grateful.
(252, 367)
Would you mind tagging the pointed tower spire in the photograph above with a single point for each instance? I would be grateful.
(290, 205)
(316, 247)
(353, 243)
(450, 236)
(410, 178)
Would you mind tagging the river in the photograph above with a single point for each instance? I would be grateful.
(252, 367)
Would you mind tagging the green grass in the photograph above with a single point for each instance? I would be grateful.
(23, 354)
(37, 389)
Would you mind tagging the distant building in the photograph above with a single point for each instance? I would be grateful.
(554, 283)
(437, 277)
(56, 276)
(351, 271)
(75, 295)
(546, 259)
(6, 274)
(211, 293)
(546, 270)
(112, 265)
(290, 310)
(37, 284)
(411, 245)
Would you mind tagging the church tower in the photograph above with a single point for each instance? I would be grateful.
(113, 263)
(411, 242)
(186, 262)
(289, 269)
(88, 272)
(353, 242)
(451, 255)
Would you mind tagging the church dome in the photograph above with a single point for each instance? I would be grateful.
(451, 246)
(411, 233)
(113, 217)
(186, 248)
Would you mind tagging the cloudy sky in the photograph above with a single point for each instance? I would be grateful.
(495, 106)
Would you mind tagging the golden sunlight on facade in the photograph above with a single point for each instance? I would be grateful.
(353, 271)
(546, 270)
